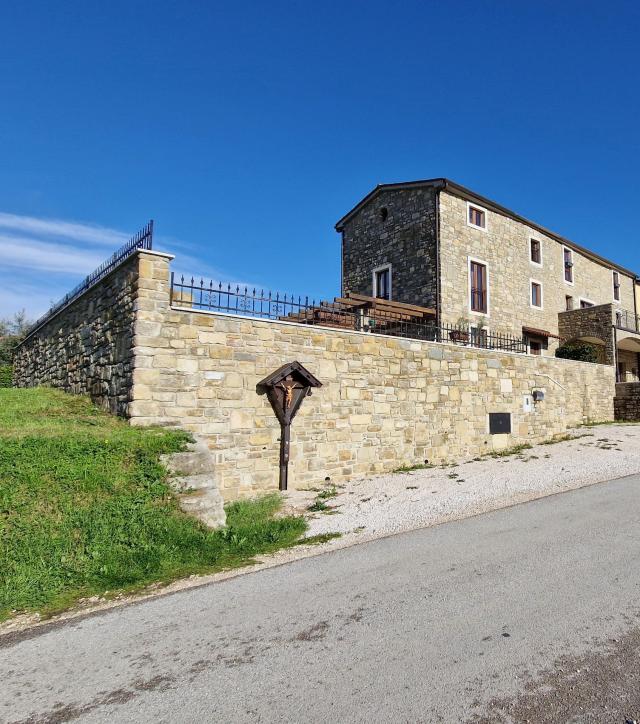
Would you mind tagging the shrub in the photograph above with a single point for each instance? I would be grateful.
(581, 351)
(6, 372)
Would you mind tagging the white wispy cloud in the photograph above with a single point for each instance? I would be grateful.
(27, 253)
(69, 230)
(42, 259)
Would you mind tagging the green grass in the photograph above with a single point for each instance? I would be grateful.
(85, 508)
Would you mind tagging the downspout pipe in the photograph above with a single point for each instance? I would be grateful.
(615, 352)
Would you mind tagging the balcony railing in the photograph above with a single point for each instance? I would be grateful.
(628, 321)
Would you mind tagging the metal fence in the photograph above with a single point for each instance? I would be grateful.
(197, 294)
(627, 320)
(142, 240)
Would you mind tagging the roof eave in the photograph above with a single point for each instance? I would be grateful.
(465, 193)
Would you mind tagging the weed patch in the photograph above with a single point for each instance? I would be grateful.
(412, 468)
(508, 452)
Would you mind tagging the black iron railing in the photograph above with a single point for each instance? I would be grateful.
(197, 294)
(627, 320)
(142, 240)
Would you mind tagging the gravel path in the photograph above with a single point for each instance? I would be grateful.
(386, 504)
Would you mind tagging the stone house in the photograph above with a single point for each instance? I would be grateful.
(437, 244)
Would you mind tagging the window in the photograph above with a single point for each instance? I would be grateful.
(384, 213)
(382, 282)
(476, 217)
(535, 347)
(569, 302)
(479, 336)
(585, 304)
(568, 265)
(536, 294)
(536, 252)
(616, 286)
(478, 278)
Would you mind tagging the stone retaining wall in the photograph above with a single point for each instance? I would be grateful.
(385, 402)
(627, 401)
(87, 347)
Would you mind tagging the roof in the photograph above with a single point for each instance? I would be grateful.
(539, 332)
(291, 368)
(444, 184)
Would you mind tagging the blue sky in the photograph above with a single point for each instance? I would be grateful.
(247, 129)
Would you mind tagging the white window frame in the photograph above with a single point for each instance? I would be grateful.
(536, 263)
(486, 217)
(572, 283)
(374, 277)
(484, 263)
(613, 284)
(573, 302)
(541, 285)
(588, 301)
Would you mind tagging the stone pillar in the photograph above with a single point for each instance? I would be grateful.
(151, 349)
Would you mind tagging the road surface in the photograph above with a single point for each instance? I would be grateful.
(526, 614)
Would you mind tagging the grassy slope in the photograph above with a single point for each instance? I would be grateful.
(85, 507)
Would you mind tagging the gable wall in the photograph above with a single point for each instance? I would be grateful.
(407, 240)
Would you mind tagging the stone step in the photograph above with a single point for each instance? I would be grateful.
(193, 478)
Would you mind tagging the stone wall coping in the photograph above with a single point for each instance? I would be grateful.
(153, 252)
(587, 309)
(333, 330)
(126, 260)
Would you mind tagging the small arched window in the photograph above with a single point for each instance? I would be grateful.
(384, 213)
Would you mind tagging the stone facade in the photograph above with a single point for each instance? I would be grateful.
(398, 228)
(505, 248)
(87, 347)
(627, 401)
(385, 401)
(423, 219)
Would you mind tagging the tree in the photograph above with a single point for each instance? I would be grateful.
(12, 332)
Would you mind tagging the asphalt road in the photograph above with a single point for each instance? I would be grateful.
(452, 623)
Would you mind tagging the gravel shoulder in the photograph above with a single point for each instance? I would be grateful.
(384, 505)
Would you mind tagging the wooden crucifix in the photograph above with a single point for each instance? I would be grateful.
(286, 389)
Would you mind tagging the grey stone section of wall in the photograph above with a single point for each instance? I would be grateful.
(397, 228)
(87, 348)
(193, 478)
(593, 324)
(627, 401)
